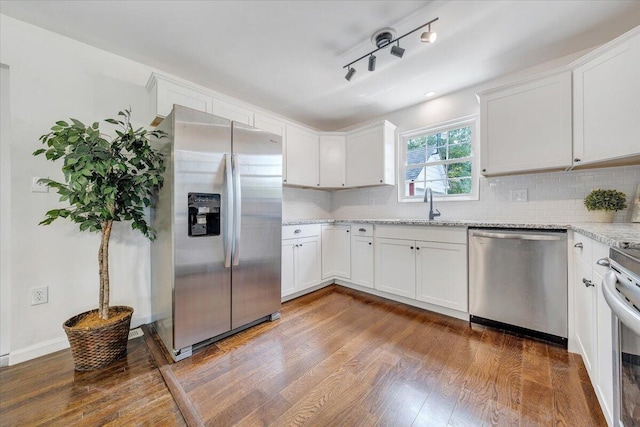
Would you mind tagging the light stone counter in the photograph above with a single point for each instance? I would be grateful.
(623, 235)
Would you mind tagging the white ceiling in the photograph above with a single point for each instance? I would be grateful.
(287, 56)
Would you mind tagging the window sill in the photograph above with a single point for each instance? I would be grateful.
(464, 198)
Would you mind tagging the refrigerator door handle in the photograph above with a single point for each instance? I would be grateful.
(229, 214)
(237, 194)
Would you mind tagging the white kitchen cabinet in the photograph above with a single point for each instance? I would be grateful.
(604, 354)
(526, 126)
(441, 274)
(300, 258)
(164, 92)
(231, 111)
(395, 267)
(362, 260)
(336, 251)
(333, 161)
(277, 127)
(302, 157)
(370, 155)
(585, 313)
(606, 96)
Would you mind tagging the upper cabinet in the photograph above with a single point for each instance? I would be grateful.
(527, 126)
(164, 92)
(333, 173)
(302, 157)
(278, 127)
(231, 111)
(606, 96)
(370, 155)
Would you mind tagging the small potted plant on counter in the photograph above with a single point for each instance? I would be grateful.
(605, 203)
(104, 181)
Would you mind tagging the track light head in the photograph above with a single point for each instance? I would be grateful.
(350, 73)
(397, 50)
(429, 36)
(372, 63)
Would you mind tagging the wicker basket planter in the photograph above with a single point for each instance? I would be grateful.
(96, 347)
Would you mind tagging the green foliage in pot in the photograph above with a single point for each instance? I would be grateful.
(605, 200)
(104, 181)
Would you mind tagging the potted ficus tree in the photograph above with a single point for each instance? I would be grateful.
(605, 203)
(105, 180)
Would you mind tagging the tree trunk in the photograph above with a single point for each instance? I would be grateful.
(103, 263)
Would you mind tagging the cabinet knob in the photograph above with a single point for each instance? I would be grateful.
(587, 283)
(418, 248)
(343, 185)
(362, 230)
(284, 180)
(300, 245)
(347, 231)
(380, 180)
(369, 243)
(318, 185)
(484, 170)
(578, 245)
(298, 231)
(411, 247)
(577, 160)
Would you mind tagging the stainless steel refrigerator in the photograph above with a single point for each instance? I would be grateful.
(215, 265)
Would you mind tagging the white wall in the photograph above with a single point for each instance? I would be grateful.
(5, 224)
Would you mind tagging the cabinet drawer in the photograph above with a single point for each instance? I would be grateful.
(426, 233)
(297, 231)
(582, 248)
(365, 230)
(599, 251)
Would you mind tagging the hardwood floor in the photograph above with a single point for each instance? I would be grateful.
(336, 358)
(47, 391)
(340, 357)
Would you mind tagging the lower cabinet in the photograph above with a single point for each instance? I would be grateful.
(300, 264)
(433, 272)
(585, 312)
(395, 269)
(441, 274)
(362, 260)
(336, 251)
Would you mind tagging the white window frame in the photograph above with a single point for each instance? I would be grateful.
(471, 121)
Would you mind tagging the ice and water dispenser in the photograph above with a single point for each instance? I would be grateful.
(204, 214)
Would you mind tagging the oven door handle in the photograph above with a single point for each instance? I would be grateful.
(619, 306)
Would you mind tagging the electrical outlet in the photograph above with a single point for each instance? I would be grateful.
(37, 187)
(519, 195)
(40, 295)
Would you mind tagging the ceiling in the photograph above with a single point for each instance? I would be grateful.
(288, 56)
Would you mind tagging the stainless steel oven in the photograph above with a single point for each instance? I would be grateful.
(621, 288)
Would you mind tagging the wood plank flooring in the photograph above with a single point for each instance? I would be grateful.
(344, 358)
(337, 357)
(48, 392)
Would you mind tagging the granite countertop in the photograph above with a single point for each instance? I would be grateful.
(623, 235)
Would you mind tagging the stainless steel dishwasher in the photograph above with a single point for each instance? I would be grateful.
(518, 281)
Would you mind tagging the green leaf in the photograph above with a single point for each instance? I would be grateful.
(38, 152)
(62, 123)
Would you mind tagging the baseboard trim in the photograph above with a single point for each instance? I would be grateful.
(4, 360)
(308, 290)
(51, 346)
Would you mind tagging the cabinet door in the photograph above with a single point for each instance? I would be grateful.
(607, 104)
(307, 261)
(332, 161)
(288, 267)
(604, 385)
(232, 112)
(395, 270)
(441, 274)
(370, 156)
(585, 314)
(302, 157)
(527, 127)
(336, 251)
(165, 92)
(275, 126)
(362, 261)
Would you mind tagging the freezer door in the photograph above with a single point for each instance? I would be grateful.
(202, 290)
(255, 291)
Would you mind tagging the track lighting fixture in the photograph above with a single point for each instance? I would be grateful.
(350, 73)
(397, 50)
(429, 36)
(384, 39)
(372, 62)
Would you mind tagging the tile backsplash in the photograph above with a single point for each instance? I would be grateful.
(554, 197)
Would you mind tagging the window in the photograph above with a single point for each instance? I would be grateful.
(442, 158)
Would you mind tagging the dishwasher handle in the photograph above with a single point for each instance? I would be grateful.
(516, 236)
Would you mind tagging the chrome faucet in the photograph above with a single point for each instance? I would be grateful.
(428, 198)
